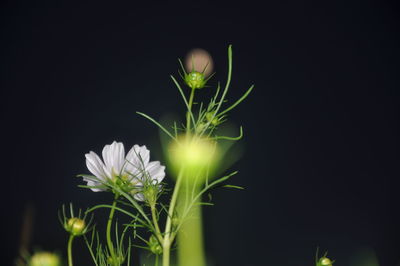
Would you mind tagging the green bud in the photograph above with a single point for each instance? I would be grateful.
(45, 259)
(195, 80)
(200, 127)
(154, 245)
(76, 226)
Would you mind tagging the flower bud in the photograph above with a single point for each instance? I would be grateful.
(45, 259)
(150, 194)
(154, 245)
(324, 261)
(210, 118)
(200, 127)
(76, 226)
(175, 222)
(118, 260)
(195, 80)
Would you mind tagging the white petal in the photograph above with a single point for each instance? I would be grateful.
(136, 160)
(107, 158)
(156, 171)
(144, 155)
(95, 165)
(93, 184)
(131, 164)
(113, 156)
(139, 197)
(119, 157)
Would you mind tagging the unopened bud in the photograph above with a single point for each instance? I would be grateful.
(211, 118)
(154, 245)
(150, 194)
(118, 260)
(324, 261)
(175, 222)
(195, 80)
(200, 127)
(76, 226)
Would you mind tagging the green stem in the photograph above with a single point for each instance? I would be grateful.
(190, 236)
(166, 255)
(168, 238)
(189, 111)
(155, 222)
(109, 223)
(70, 240)
(190, 240)
(228, 82)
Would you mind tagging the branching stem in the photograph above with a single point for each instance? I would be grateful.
(189, 112)
(155, 221)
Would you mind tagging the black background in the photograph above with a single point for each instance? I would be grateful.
(321, 157)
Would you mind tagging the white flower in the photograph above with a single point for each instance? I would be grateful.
(133, 170)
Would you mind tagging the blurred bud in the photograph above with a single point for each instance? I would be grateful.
(154, 245)
(76, 226)
(196, 155)
(199, 60)
(175, 221)
(365, 256)
(200, 127)
(45, 259)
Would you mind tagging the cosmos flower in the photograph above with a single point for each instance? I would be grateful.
(130, 172)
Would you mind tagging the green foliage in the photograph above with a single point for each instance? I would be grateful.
(142, 204)
(207, 119)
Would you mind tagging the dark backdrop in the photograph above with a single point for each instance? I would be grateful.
(321, 157)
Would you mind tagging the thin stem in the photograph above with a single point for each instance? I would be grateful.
(168, 226)
(189, 112)
(183, 95)
(70, 240)
(109, 223)
(135, 204)
(89, 246)
(158, 124)
(155, 222)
